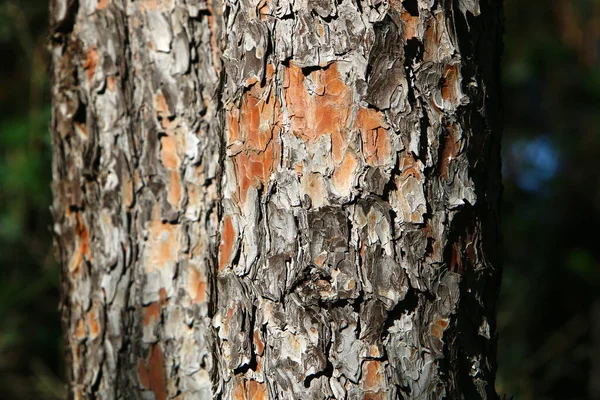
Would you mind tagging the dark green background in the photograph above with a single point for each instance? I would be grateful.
(551, 207)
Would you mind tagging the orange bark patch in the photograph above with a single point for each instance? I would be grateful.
(76, 353)
(339, 145)
(93, 324)
(233, 126)
(152, 374)
(436, 331)
(259, 345)
(111, 82)
(239, 390)
(450, 150)
(151, 314)
(256, 121)
(197, 286)
(410, 26)
(410, 166)
(102, 4)
(376, 147)
(443, 323)
(158, 373)
(374, 376)
(263, 9)
(79, 394)
(375, 136)
(333, 106)
(374, 351)
(253, 130)
(82, 246)
(162, 295)
(91, 62)
(259, 365)
(256, 390)
(83, 235)
(168, 152)
(150, 5)
(163, 245)
(174, 192)
(80, 330)
(451, 85)
(299, 168)
(320, 259)
(322, 110)
(438, 327)
(369, 118)
(255, 169)
(228, 237)
(143, 375)
(344, 174)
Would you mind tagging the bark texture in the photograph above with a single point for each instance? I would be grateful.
(284, 199)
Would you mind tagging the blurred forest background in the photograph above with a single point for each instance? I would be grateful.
(549, 312)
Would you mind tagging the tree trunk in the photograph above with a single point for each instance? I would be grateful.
(277, 199)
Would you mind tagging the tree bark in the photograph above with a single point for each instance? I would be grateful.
(277, 199)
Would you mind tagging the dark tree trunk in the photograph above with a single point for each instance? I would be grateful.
(277, 199)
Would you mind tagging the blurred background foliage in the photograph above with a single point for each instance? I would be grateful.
(549, 311)
(30, 335)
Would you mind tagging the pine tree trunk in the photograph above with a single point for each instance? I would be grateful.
(277, 199)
